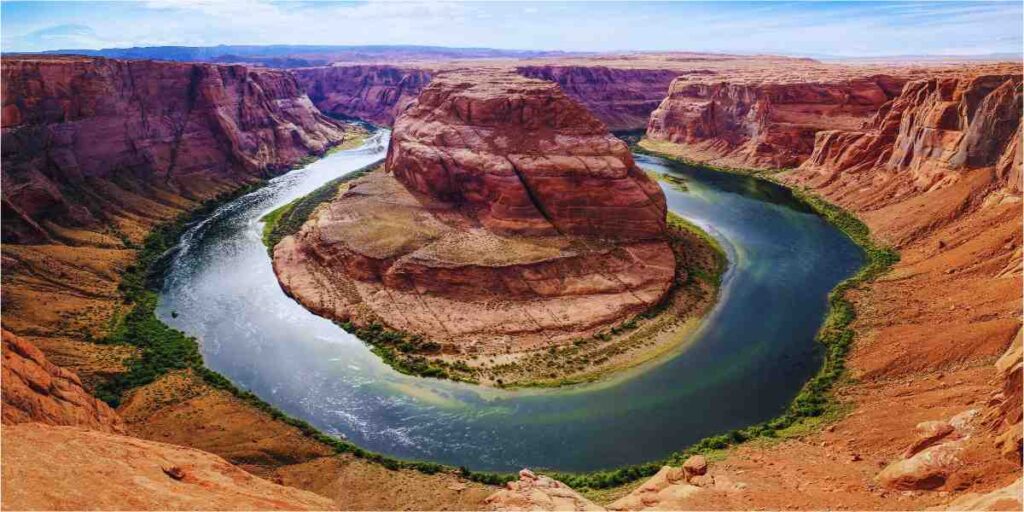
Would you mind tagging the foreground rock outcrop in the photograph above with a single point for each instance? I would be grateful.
(36, 390)
(508, 219)
(68, 468)
(114, 145)
(538, 493)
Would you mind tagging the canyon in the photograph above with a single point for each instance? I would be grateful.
(97, 152)
(764, 123)
(621, 98)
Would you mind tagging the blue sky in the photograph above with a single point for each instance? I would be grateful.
(850, 29)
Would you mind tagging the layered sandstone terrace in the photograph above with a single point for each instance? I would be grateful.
(507, 219)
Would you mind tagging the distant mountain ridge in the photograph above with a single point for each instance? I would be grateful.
(303, 55)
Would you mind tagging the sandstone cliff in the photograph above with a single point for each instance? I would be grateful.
(931, 137)
(937, 173)
(763, 123)
(99, 144)
(374, 93)
(623, 98)
(508, 219)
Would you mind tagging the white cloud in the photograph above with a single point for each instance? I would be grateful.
(853, 29)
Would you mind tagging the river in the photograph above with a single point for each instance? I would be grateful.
(744, 364)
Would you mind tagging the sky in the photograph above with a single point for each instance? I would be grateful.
(841, 29)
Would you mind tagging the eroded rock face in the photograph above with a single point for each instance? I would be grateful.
(1005, 414)
(36, 390)
(622, 98)
(763, 123)
(1005, 498)
(47, 467)
(935, 126)
(375, 93)
(86, 140)
(508, 219)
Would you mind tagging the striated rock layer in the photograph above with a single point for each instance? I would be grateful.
(92, 143)
(374, 93)
(622, 98)
(763, 123)
(508, 218)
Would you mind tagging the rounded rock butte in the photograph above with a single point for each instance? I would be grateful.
(508, 218)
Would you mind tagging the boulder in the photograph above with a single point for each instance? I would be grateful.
(695, 466)
(928, 469)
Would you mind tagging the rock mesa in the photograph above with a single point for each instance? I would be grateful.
(508, 218)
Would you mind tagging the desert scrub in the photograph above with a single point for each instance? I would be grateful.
(712, 276)
(270, 222)
(404, 352)
(288, 219)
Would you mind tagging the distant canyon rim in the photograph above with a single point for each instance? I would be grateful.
(97, 153)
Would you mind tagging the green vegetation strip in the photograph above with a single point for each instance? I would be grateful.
(651, 147)
(287, 219)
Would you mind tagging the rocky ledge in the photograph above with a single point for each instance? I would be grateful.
(507, 220)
